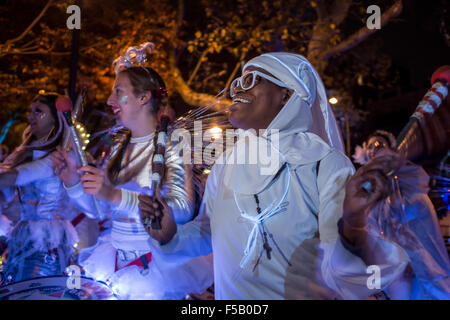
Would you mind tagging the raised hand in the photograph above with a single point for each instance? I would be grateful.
(65, 167)
(369, 184)
(149, 210)
(96, 182)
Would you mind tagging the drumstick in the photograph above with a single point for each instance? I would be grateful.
(432, 100)
(64, 105)
(158, 159)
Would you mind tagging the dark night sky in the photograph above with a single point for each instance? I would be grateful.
(417, 48)
(414, 42)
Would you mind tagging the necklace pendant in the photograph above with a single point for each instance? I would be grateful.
(268, 250)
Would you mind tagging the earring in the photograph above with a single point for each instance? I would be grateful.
(143, 98)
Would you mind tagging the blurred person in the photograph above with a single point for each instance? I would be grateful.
(42, 242)
(405, 215)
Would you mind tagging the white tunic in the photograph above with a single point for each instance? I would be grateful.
(299, 208)
(306, 234)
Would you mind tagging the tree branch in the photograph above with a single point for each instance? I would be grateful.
(236, 67)
(320, 10)
(28, 50)
(187, 94)
(36, 20)
(365, 32)
(340, 11)
(322, 31)
(190, 96)
(199, 62)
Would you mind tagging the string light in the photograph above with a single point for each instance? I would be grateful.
(333, 100)
(215, 132)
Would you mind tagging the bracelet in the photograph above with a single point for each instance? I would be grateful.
(71, 186)
(355, 249)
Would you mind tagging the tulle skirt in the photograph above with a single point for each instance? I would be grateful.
(162, 280)
(39, 248)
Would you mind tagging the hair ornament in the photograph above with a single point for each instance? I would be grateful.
(162, 93)
(133, 57)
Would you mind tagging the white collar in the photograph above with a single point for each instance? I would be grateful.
(142, 139)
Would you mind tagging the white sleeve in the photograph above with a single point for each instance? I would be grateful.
(177, 187)
(85, 201)
(34, 170)
(129, 202)
(345, 272)
(193, 239)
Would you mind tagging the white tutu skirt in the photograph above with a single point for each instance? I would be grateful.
(5, 226)
(161, 281)
(31, 242)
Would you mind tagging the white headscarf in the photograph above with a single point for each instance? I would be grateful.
(307, 110)
(306, 124)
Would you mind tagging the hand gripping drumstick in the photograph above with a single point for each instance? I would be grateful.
(64, 105)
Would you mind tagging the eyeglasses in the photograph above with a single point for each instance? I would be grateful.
(250, 79)
(377, 145)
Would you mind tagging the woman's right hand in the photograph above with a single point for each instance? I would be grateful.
(64, 166)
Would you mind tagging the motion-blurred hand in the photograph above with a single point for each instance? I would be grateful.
(64, 166)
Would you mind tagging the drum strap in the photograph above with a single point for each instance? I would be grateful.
(78, 219)
(141, 262)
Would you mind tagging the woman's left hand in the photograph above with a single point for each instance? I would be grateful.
(151, 210)
(96, 182)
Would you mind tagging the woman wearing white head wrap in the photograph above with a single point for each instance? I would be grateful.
(275, 236)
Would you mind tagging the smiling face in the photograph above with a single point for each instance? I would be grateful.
(124, 103)
(40, 119)
(257, 107)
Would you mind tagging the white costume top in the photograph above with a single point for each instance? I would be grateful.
(42, 226)
(308, 259)
(129, 240)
